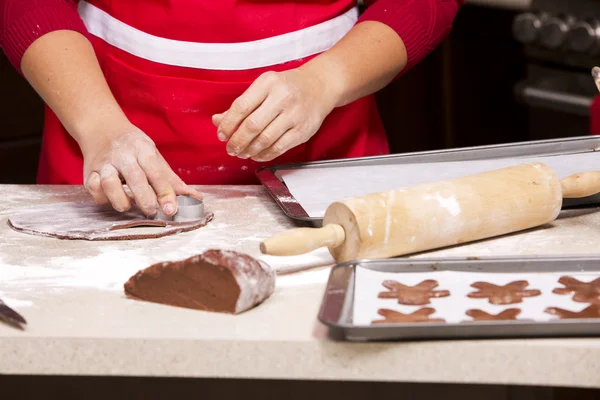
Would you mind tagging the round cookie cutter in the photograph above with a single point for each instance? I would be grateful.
(188, 209)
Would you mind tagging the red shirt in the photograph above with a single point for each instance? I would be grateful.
(171, 65)
(422, 24)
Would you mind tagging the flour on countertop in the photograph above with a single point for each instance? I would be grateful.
(14, 303)
(33, 268)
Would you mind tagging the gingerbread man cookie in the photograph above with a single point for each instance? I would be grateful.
(583, 292)
(506, 315)
(412, 295)
(392, 317)
(592, 311)
(511, 293)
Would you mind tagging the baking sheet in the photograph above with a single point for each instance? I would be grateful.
(350, 303)
(303, 191)
(368, 284)
(317, 188)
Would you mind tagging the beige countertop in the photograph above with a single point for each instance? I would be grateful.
(80, 323)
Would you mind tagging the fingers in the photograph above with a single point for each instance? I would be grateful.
(268, 137)
(216, 119)
(241, 108)
(113, 189)
(288, 140)
(133, 159)
(178, 185)
(157, 176)
(137, 182)
(94, 187)
(182, 189)
(254, 126)
(275, 114)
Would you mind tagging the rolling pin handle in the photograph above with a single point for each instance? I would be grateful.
(303, 240)
(581, 185)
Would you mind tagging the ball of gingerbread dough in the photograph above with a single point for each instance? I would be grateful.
(216, 280)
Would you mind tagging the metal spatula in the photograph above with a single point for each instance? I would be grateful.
(11, 317)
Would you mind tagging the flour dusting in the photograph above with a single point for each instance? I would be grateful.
(15, 303)
(391, 198)
(33, 268)
(448, 203)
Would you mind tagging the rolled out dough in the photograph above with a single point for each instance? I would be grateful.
(88, 221)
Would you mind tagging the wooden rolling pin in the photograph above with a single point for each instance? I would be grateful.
(436, 215)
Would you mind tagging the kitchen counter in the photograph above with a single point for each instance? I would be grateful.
(80, 323)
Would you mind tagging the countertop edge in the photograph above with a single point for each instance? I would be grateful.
(542, 363)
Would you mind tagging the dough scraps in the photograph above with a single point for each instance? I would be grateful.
(412, 295)
(217, 280)
(392, 317)
(582, 292)
(88, 221)
(511, 293)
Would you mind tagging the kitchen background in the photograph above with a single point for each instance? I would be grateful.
(512, 70)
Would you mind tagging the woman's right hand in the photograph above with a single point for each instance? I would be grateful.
(63, 69)
(132, 157)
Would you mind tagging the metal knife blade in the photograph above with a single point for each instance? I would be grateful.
(10, 316)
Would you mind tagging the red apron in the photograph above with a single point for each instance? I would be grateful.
(172, 65)
(595, 116)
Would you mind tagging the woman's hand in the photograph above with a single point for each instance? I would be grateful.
(278, 112)
(63, 68)
(133, 158)
(282, 110)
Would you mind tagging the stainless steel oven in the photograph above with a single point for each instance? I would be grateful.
(562, 43)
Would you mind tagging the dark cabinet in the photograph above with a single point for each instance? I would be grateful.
(21, 122)
(463, 93)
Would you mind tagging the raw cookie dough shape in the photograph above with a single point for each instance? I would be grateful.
(511, 293)
(583, 292)
(393, 317)
(217, 280)
(506, 315)
(88, 221)
(412, 295)
(592, 311)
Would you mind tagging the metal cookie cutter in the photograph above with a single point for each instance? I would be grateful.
(188, 209)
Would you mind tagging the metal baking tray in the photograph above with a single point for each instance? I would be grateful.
(268, 176)
(337, 305)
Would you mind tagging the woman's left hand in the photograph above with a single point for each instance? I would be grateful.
(279, 111)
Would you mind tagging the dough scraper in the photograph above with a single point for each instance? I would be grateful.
(188, 209)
